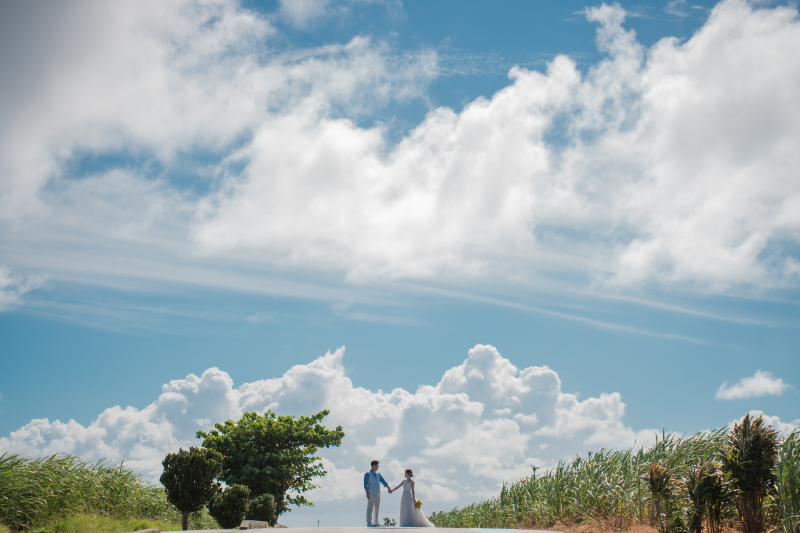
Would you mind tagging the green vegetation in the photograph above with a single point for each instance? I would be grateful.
(663, 489)
(188, 479)
(263, 509)
(272, 454)
(268, 458)
(749, 457)
(707, 495)
(93, 524)
(60, 492)
(229, 506)
(676, 485)
(787, 484)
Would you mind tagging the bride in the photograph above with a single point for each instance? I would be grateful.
(410, 514)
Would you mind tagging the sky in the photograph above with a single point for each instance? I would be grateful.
(485, 235)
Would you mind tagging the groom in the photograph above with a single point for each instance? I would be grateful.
(372, 485)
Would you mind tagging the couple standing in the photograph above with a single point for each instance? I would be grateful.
(410, 514)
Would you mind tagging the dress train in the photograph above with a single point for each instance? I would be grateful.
(410, 516)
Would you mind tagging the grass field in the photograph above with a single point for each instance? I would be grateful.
(61, 493)
(606, 490)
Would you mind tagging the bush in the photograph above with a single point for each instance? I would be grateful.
(263, 509)
(228, 506)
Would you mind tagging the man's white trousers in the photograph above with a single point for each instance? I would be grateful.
(373, 505)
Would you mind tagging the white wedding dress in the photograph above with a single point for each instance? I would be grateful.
(410, 516)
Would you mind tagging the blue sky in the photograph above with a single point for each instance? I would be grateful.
(556, 225)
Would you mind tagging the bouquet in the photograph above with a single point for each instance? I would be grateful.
(418, 504)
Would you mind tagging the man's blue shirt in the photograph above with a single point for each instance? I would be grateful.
(372, 480)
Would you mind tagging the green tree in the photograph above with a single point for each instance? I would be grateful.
(188, 479)
(749, 458)
(273, 454)
(228, 507)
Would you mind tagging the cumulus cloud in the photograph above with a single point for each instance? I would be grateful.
(672, 164)
(157, 80)
(484, 422)
(759, 384)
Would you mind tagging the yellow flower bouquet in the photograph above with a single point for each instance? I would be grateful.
(419, 504)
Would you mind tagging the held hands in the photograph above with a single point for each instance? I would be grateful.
(390, 491)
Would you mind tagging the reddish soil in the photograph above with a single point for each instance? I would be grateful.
(613, 527)
(601, 527)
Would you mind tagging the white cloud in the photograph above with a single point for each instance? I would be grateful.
(674, 167)
(306, 13)
(682, 8)
(159, 79)
(486, 421)
(143, 76)
(13, 287)
(673, 164)
(759, 384)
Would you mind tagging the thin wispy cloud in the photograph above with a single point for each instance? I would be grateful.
(454, 63)
(759, 384)
(574, 317)
(683, 9)
(694, 312)
(14, 287)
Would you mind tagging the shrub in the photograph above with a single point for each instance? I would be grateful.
(228, 506)
(262, 508)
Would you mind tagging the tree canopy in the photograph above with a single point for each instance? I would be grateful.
(188, 479)
(273, 454)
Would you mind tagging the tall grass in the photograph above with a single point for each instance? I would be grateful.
(606, 486)
(37, 492)
(787, 485)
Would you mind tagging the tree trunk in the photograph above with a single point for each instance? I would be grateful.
(185, 516)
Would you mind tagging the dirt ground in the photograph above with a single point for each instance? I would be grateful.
(615, 527)
(601, 527)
